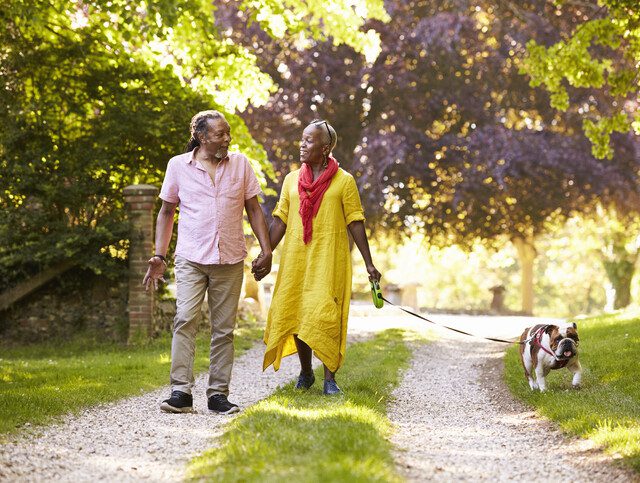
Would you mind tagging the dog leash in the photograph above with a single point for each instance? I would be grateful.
(378, 300)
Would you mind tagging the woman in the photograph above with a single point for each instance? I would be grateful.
(310, 304)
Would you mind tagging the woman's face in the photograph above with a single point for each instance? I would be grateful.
(312, 146)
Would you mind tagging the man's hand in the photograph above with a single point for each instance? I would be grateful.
(373, 273)
(154, 273)
(261, 266)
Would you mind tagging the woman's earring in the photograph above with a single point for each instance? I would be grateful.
(325, 162)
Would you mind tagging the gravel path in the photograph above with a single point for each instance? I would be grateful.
(133, 440)
(456, 421)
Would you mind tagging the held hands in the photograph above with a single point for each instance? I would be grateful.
(261, 266)
(154, 273)
(373, 273)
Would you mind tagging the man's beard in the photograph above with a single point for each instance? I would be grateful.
(221, 153)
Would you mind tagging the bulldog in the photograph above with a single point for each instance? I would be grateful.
(546, 347)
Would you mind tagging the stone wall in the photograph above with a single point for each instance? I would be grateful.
(78, 301)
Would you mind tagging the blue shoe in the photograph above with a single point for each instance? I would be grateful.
(331, 388)
(305, 381)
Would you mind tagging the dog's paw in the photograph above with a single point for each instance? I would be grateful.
(576, 387)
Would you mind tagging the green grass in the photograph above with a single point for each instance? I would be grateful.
(607, 407)
(305, 436)
(41, 381)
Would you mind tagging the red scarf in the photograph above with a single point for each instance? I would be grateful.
(311, 192)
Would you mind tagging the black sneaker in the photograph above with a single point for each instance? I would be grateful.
(179, 402)
(305, 381)
(219, 404)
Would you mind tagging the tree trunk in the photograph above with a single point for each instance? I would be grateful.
(623, 292)
(620, 273)
(526, 256)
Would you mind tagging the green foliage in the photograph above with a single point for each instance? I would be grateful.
(94, 97)
(607, 407)
(599, 132)
(601, 55)
(84, 114)
(41, 381)
(618, 250)
(319, 20)
(311, 437)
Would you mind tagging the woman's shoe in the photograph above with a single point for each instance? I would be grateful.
(305, 381)
(331, 388)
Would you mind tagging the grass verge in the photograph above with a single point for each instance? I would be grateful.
(607, 407)
(41, 381)
(305, 436)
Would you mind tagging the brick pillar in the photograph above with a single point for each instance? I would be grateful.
(140, 201)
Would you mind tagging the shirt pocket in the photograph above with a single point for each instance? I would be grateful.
(232, 194)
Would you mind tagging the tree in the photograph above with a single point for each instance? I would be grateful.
(593, 73)
(444, 134)
(96, 96)
(473, 151)
(601, 56)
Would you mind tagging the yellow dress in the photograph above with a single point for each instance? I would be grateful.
(313, 287)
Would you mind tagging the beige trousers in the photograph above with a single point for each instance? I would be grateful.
(222, 284)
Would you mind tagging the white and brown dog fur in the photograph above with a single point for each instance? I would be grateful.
(562, 342)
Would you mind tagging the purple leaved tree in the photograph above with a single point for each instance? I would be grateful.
(442, 131)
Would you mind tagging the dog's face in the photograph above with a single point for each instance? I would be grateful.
(546, 347)
(563, 341)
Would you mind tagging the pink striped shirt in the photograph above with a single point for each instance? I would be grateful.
(210, 222)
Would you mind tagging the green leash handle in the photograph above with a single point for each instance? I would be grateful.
(376, 294)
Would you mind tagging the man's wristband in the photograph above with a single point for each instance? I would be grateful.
(161, 257)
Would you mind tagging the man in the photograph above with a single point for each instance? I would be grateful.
(212, 186)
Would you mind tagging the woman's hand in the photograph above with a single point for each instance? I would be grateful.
(373, 273)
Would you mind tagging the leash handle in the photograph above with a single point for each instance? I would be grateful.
(376, 294)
